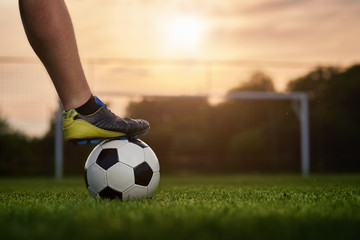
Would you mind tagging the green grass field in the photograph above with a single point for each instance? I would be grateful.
(218, 207)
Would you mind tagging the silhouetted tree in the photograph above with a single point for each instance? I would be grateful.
(18, 152)
(178, 129)
(256, 135)
(334, 116)
(258, 81)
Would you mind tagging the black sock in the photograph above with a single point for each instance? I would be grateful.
(89, 107)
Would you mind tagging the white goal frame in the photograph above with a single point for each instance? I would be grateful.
(299, 105)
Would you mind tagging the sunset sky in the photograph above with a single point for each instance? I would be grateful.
(315, 30)
(310, 31)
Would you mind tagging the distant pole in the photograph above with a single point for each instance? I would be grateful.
(305, 138)
(59, 144)
(209, 79)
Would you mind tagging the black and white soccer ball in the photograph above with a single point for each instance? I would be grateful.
(122, 169)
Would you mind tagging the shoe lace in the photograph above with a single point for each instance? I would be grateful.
(113, 114)
(116, 116)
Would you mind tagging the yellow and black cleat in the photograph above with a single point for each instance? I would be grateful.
(101, 125)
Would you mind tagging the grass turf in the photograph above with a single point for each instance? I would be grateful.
(217, 207)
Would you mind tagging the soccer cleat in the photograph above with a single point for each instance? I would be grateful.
(101, 125)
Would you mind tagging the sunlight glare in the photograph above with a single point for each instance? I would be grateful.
(184, 32)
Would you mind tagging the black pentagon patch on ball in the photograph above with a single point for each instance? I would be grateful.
(143, 174)
(107, 158)
(139, 143)
(110, 193)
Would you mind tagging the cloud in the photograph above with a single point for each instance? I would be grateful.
(291, 29)
(261, 28)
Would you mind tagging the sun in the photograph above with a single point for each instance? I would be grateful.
(183, 32)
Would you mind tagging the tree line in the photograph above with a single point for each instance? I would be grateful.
(194, 135)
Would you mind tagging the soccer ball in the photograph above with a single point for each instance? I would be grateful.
(122, 169)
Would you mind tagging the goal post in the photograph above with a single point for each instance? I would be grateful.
(301, 108)
(299, 105)
(59, 144)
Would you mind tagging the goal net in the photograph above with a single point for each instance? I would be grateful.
(205, 131)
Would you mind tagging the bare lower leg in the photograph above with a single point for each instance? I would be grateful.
(50, 32)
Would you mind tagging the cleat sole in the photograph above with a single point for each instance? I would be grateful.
(83, 142)
(98, 139)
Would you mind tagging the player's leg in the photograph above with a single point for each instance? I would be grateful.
(50, 32)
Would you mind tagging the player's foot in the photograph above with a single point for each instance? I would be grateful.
(103, 124)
